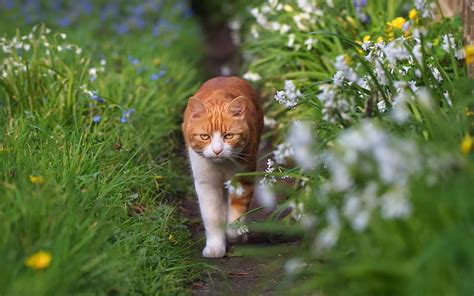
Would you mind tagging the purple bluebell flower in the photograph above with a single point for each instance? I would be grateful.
(126, 115)
(96, 118)
(7, 4)
(359, 3)
(65, 21)
(85, 6)
(138, 10)
(95, 97)
(156, 76)
(133, 60)
(122, 28)
(138, 22)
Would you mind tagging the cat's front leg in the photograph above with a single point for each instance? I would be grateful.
(213, 205)
(238, 206)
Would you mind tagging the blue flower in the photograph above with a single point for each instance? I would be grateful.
(64, 21)
(133, 60)
(156, 76)
(7, 4)
(122, 28)
(95, 97)
(96, 118)
(126, 115)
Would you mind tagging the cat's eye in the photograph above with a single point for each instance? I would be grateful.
(228, 136)
(204, 137)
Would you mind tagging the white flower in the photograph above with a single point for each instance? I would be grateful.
(436, 74)
(380, 73)
(265, 195)
(309, 43)
(289, 96)
(284, 29)
(395, 205)
(460, 54)
(270, 166)
(338, 78)
(396, 51)
(381, 106)
(300, 138)
(294, 266)
(254, 32)
(328, 237)
(251, 76)
(447, 98)
(236, 189)
(425, 99)
(341, 64)
(269, 122)
(282, 152)
(291, 40)
(225, 70)
(448, 44)
(92, 74)
(418, 54)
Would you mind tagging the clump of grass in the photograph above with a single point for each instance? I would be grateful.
(89, 157)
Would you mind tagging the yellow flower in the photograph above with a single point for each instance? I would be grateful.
(379, 39)
(412, 14)
(469, 49)
(347, 59)
(466, 144)
(397, 22)
(39, 260)
(37, 179)
(288, 8)
(172, 239)
(351, 21)
(366, 38)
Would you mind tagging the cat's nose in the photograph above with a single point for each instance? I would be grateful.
(217, 150)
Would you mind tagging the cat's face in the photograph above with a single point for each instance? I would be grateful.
(217, 131)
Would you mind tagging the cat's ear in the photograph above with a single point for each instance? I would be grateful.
(237, 106)
(196, 106)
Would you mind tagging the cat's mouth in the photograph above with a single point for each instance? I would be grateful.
(217, 158)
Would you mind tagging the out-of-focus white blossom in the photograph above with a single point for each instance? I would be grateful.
(234, 188)
(294, 266)
(300, 137)
(251, 76)
(283, 152)
(288, 97)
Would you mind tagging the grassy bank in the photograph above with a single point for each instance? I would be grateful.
(90, 157)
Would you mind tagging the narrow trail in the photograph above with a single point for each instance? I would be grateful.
(256, 267)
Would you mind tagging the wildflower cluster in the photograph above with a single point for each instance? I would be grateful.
(366, 107)
(121, 17)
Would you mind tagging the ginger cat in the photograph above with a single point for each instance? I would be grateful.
(222, 127)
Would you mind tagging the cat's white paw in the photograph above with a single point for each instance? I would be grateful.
(237, 234)
(214, 251)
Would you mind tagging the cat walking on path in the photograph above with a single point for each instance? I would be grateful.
(222, 128)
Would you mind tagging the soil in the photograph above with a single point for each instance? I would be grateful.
(253, 268)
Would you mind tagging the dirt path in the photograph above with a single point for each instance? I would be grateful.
(254, 268)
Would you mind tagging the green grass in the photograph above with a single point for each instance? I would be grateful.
(105, 212)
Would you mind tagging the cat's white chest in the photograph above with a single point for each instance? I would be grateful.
(209, 170)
